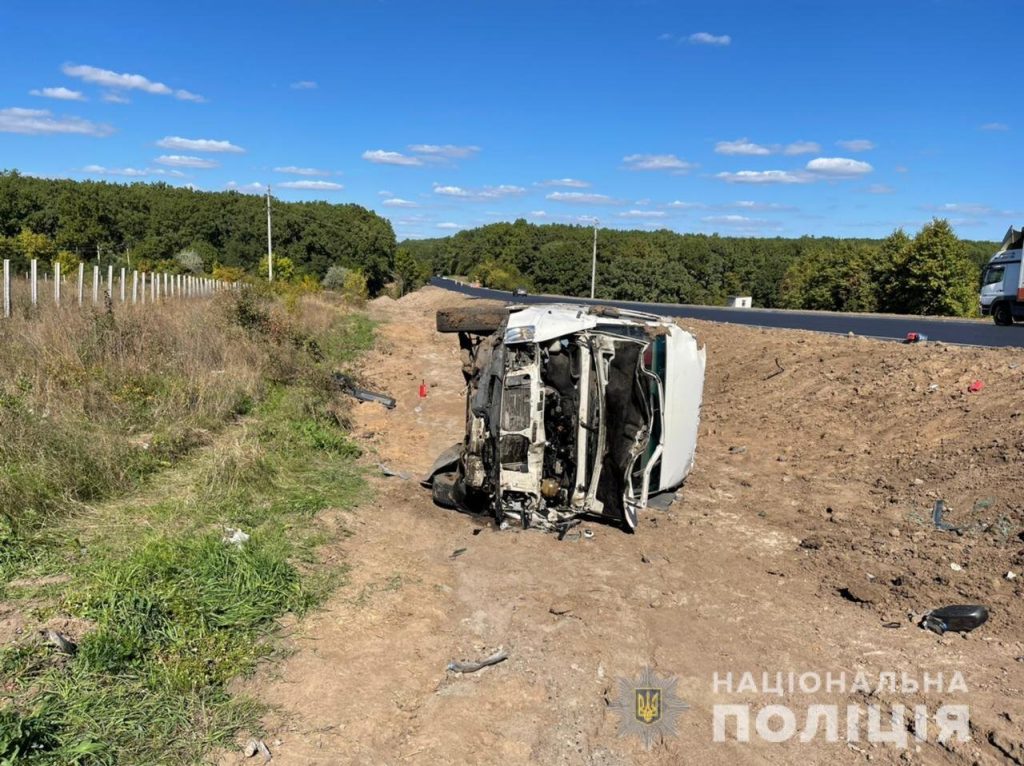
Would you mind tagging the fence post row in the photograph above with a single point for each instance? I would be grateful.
(161, 285)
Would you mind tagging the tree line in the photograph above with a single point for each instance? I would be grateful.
(933, 272)
(158, 227)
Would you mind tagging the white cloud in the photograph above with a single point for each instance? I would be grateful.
(839, 167)
(116, 98)
(568, 183)
(742, 146)
(706, 38)
(972, 209)
(448, 225)
(451, 191)
(735, 221)
(184, 161)
(253, 188)
(763, 177)
(38, 122)
(100, 170)
(539, 213)
(312, 185)
(880, 189)
(642, 214)
(802, 147)
(856, 145)
(484, 193)
(399, 202)
(582, 198)
(447, 151)
(62, 93)
(198, 145)
(680, 205)
(184, 95)
(657, 162)
(127, 172)
(110, 79)
(746, 204)
(381, 157)
(304, 85)
(994, 126)
(295, 171)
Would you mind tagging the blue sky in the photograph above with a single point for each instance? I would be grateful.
(781, 118)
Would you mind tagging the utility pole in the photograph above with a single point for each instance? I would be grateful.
(593, 263)
(270, 246)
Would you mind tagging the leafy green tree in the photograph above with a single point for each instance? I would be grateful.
(334, 279)
(939, 278)
(189, 260)
(355, 287)
(891, 272)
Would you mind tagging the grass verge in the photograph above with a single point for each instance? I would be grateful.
(164, 610)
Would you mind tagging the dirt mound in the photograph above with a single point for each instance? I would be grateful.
(851, 442)
(802, 533)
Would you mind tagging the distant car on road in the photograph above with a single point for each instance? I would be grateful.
(520, 292)
(570, 410)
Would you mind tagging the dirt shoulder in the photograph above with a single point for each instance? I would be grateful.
(803, 530)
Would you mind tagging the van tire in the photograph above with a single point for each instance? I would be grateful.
(1002, 314)
(445, 491)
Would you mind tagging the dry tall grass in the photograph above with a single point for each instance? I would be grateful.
(92, 400)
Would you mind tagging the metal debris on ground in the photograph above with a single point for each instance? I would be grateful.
(347, 385)
(564, 526)
(62, 642)
(937, 511)
(387, 471)
(959, 618)
(235, 537)
(916, 337)
(976, 386)
(471, 667)
(737, 450)
(457, 552)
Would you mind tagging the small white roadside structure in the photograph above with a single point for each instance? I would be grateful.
(739, 301)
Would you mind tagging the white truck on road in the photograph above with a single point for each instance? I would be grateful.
(1002, 291)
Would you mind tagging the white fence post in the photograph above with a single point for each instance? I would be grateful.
(143, 288)
(135, 286)
(7, 288)
(152, 286)
(81, 281)
(33, 281)
(110, 283)
(95, 284)
(122, 284)
(56, 283)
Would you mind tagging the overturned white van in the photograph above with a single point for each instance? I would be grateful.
(570, 410)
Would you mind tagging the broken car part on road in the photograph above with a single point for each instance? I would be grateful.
(961, 618)
(570, 410)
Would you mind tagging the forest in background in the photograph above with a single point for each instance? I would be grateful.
(929, 272)
(157, 227)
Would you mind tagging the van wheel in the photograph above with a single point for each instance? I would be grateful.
(445, 491)
(1002, 314)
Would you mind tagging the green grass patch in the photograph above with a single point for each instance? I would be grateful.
(169, 611)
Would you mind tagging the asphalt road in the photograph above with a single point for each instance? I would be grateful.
(888, 327)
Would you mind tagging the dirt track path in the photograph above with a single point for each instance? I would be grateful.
(708, 586)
